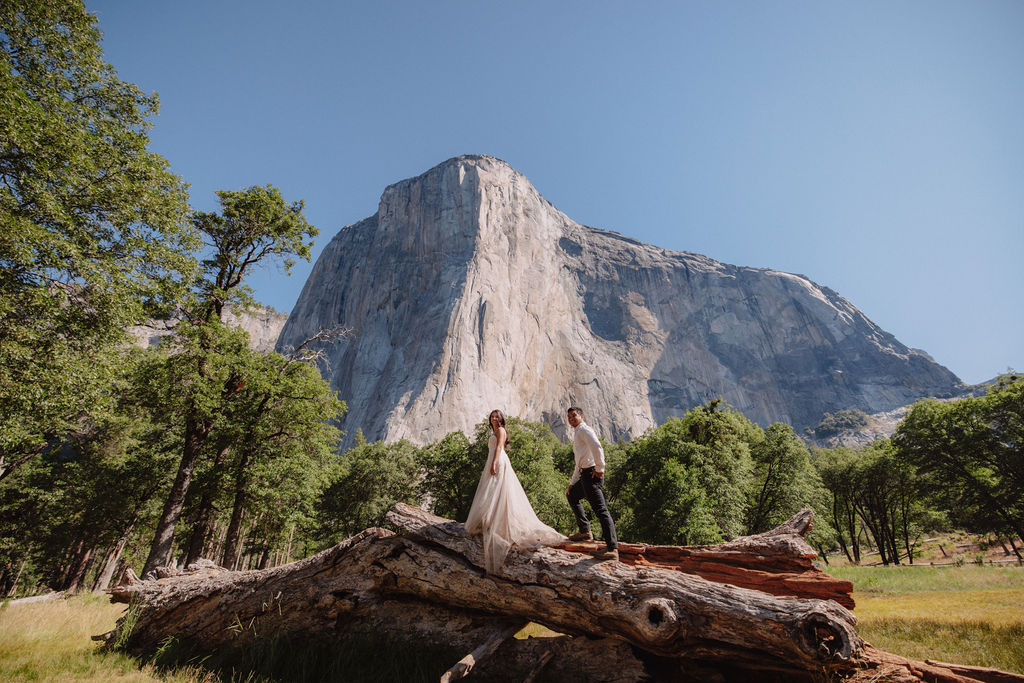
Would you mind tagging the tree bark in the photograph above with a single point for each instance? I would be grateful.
(430, 581)
(779, 562)
(230, 556)
(204, 515)
(14, 584)
(107, 573)
(78, 572)
(196, 432)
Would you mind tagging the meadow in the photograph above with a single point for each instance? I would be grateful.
(969, 614)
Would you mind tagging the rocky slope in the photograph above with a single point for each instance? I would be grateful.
(263, 325)
(468, 291)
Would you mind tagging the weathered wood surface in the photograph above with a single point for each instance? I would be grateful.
(429, 582)
(779, 562)
(664, 612)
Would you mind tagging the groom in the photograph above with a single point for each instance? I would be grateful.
(588, 482)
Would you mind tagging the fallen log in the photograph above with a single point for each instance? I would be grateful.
(779, 562)
(429, 582)
(664, 612)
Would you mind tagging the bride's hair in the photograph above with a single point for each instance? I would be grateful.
(501, 418)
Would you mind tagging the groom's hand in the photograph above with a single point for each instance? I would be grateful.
(599, 475)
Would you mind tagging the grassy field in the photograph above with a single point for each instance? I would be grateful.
(51, 641)
(966, 614)
(970, 614)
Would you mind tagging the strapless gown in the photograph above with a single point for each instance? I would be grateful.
(502, 513)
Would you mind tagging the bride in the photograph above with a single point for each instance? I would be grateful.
(501, 512)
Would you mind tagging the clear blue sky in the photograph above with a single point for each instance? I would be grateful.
(876, 147)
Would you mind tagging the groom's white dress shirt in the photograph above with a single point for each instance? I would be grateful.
(586, 447)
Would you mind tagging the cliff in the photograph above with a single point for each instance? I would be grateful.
(469, 291)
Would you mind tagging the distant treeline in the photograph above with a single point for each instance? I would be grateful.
(80, 514)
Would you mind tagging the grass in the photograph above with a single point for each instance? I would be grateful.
(917, 579)
(971, 614)
(51, 641)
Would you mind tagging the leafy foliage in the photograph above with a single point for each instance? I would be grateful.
(368, 480)
(841, 421)
(254, 225)
(971, 453)
(451, 469)
(686, 481)
(95, 233)
(784, 481)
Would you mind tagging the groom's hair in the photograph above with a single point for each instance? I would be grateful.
(574, 409)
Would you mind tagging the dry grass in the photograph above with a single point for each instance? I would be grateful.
(970, 614)
(533, 630)
(51, 641)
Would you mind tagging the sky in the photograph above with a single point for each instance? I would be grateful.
(875, 147)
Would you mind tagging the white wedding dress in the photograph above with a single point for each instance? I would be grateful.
(502, 513)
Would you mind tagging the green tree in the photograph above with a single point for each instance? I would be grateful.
(972, 453)
(284, 438)
(368, 480)
(874, 493)
(883, 489)
(451, 469)
(254, 225)
(841, 421)
(687, 480)
(95, 234)
(784, 481)
(87, 498)
(837, 468)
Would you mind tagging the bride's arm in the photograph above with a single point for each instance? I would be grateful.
(499, 444)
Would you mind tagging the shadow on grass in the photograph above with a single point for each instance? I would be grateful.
(281, 659)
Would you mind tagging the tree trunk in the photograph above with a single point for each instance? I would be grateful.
(107, 572)
(264, 556)
(1020, 560)
(196, 433)
(204, 516)
(78, 571)
(288, 550)
(231, 543)
(14, 584)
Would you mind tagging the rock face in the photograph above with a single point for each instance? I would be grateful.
(469, 291)
(263, 325)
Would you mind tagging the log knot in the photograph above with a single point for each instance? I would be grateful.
(658, 620)
(825, 637)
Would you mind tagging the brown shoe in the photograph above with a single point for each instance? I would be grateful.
(607, 554)
(582, 536)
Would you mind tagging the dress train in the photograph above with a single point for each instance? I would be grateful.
(502, 513)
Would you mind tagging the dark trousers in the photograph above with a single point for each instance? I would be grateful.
(592, 488)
